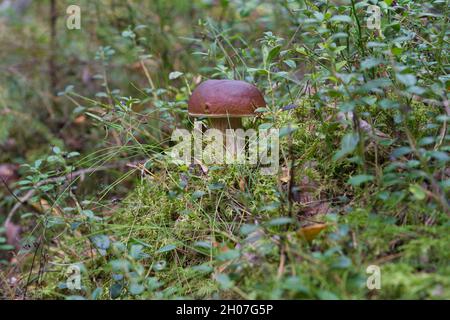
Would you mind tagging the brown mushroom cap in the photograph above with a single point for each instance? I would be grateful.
(225, 98)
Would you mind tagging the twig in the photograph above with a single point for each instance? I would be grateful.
(9, 189)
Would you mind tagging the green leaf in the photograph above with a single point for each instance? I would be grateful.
(265, 126)
(246, 229)
(224, 281)
(348, 145)
(341, 18)
(279, 221)
(203, 244)
(370, 63)
(101, 95)
(440, 155)
(360, 179)
(445, 184)
(96, 293)
(327, 295)
(290, 63)
(347, 106)
(101, 241)
(174, 75)
(75, 298)
(272, 54)
(216, 186)
(261, 110)
(426, 141)
(263, 72)
(198, 194)
(136, 288)
(137, 253)
(128, 34)
(339, 65)
(153, 283)
(167, 248)
(407, 79)
(203, 268)
(115, 290)
(287, 130)
(88, 213)
(342, 262)
(228, 255)
(399, 152)
(272, 206)
(6, 247)
(417, 191)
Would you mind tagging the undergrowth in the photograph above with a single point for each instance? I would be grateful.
(364, 148)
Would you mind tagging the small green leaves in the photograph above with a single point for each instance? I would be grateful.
(175, 75)
(356, 181)
(167, 248)
(67, 90)
(116, 290)
(128, 34)
(287, 130)
(230, 254)
(440, 156)
(224, 281)
(340, 65)
(247, 229)
(135, 288)
(261, 110)
(342, 262)
(417, 191)
(216, 186)
(348, 145)
(270, 54)
(136, 252)
(370, 63)
(341, 18)
(279, 221)
(273, 206)
(203, 268)
(198, 194)
(407, 79)
(401, 151)
(102, 243)
(347, 106)
(290, 63)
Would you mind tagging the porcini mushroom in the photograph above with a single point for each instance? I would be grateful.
(225, 102)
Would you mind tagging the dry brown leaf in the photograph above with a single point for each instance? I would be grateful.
(285, 175)
(43, 206)
(242, 184)
(309, 233)
(80, 119)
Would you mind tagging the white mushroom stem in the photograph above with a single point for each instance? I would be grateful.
(226, 123)
(223, 124)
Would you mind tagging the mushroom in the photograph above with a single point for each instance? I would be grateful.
(225, 102)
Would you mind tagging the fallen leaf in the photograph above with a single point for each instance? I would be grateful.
(43, 206)
(285, 175)
(242, 184)
(80, 119)
(308, 233)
